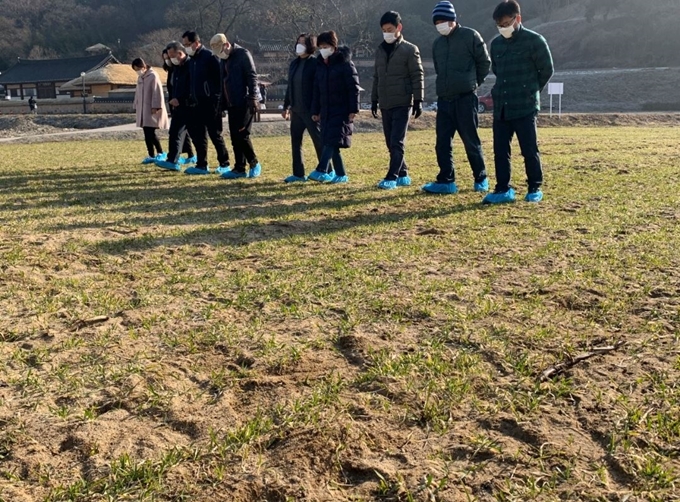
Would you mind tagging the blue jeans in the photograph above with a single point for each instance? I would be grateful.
(329, 153)
(503, 131)
(395, 124)
(458, 115)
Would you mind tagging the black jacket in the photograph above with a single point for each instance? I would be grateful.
(239, 79)
(307, 82)
(204, 75)
(336, 96)
(179, 83)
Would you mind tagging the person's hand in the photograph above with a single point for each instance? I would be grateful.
(374, 109)
(156, 110)
(351, 117)
(286, 114)
(174, 102)
(316, 118)
(254, 106)
(417, 109)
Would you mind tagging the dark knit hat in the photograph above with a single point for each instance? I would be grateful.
(443, 11)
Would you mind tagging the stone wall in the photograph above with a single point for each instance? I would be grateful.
(62, 107)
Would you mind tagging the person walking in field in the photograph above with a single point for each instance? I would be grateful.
(178, 92)
(240, 98)
(461, 61)
(204, 114)
(523, 66)
(149, 105)
(398, 91)
(297, 104)
(32, 105)
(334, 106)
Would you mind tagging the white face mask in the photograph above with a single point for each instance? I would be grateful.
(190, 51)
(390, 38)
(140, 72)
(326, 53)
(168, 62)
(444, 29)
(300, 49)
(507, 32)
(175, 61)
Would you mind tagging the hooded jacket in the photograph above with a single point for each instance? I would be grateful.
(336, 96)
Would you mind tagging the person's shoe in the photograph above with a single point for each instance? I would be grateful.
(149, 160)
(234, 175)
(223, 169)
(164, 164)
(404, 181)
(197, 170)
(161, 157)
(188, 160)
(387, 185)
(441, 188)
(340, 179)
(295, 179)
(534, 195)
(500, 197)
(482, 186)
(322, 177)
(255, 171)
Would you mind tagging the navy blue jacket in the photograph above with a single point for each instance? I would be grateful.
(204, 74)
(308, 78)
(179, 83)
(239, 79)
(336, 96)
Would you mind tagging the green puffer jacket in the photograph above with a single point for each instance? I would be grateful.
(398, 79)
(461, 62)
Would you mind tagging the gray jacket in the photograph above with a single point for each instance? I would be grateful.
(461, 61)
(398, 79)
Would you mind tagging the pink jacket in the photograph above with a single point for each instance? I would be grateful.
(150, 95)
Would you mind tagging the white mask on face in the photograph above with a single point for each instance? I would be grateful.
(190, 51)
(168, 62)
(507, 31)
(175, 61)
(140, 72)
(444, 29)
(390, 38)
(326, 53)
(300, 49)
(223, 54)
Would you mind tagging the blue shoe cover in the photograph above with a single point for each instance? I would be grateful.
(388, 185)
(482, 186)
(197, 170)
(223, 169)
(255, 171)
(404, 181)
(534, 196)
(164, 164)
(295, 179)
(340, 179)
(500, 198)
(233, 175)
(322, 177)
(440, 188)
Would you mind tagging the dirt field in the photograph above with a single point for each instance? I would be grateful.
(173, 338)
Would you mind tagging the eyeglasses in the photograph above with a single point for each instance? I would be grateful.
(508, 24)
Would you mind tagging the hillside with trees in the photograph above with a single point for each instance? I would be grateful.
(582, 33)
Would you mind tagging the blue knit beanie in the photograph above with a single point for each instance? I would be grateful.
(444, 11)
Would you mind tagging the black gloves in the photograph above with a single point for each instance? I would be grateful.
(417, 109)
(374, 109)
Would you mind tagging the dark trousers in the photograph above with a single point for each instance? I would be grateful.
(204, 122)
(178, 137)
(240, 123)
(153, 144)
(395, 124)
(188, 148)
(503, 131)
(458, 115)
(328, 154)
(299, 123)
